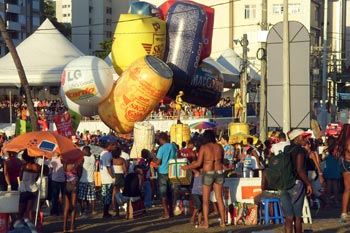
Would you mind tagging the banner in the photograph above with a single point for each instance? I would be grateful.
(22, 127)
(64, 125)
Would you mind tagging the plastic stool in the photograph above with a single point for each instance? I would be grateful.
(306, 211)
(277, 211)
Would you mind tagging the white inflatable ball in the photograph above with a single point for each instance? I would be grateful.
(83, 110)
(87, 80)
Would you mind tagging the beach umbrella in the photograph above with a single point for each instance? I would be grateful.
(45, 143)
(203, 125)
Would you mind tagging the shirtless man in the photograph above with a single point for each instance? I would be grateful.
(345, 169)
(211, 157)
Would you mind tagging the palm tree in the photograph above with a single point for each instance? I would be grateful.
(21, 74)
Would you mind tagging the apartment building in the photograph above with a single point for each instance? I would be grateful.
(22, 18)
(64, 11)
(92, 21)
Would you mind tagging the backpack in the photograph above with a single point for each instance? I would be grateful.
(281, 174)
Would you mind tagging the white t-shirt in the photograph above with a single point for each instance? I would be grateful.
(88, 169)
(106, 161)
(126, 157)
(277, 147)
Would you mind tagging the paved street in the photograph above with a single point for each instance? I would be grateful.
(325, 222)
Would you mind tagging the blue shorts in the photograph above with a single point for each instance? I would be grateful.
(292, 205)
(164, 186)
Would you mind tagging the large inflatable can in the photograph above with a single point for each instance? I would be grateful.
(136, 93)
(208, 31)
(205, 87)
(143, 138)
(185, 27)
(136, 36)
(235, 127)
(180, 133)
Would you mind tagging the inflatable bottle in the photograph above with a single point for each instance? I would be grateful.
(185, 25)
(136, 93)
(136, 36)
(144, 8)
(208, 30)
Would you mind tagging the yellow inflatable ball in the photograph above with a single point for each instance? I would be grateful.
(136, 36)
(139, 89)
(84, 110)
(87, 80)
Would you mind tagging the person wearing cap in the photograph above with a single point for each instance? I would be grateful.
(279, 147)
(293, 199)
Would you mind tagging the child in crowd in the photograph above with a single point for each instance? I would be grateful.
(197, 197)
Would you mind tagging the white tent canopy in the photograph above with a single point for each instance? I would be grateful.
(43, 55)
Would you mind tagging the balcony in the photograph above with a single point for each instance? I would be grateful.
(13, 26)
(13, 8)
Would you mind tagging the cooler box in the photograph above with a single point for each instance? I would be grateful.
(178, 176)
(9, 202)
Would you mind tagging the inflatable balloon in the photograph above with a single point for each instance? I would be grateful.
(136, 93)
(135, 37)
(144, 8)
(206, 86)
(208, 31)
(85, 110)
(87, 80)
(185, 23)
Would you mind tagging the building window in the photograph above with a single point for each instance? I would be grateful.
(64, 15)
(108, 10)
(108, 34)
(317, 13)
(277, 9)
(90, 20)
(108, 22)
(250, 11)
(294, 8)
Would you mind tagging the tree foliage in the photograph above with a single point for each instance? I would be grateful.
(106, 47)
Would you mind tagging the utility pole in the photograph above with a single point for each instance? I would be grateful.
(21, 74)
(244, 78)
(324, 67)
(286, 70)
(263, 78)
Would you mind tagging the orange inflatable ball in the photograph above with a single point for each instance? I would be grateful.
(136, 93)
(136, 36)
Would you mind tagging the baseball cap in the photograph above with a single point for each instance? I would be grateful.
(298, 132)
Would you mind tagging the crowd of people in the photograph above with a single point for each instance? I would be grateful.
(47, 109)
(321, 168)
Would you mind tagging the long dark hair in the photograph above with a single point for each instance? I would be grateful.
(209, 136)
(344, 134)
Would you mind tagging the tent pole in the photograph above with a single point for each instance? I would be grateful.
(39, 190)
